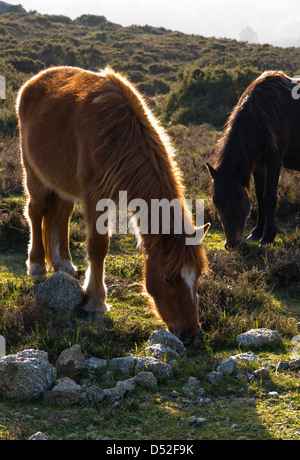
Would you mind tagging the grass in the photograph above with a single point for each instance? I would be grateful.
(246, 288)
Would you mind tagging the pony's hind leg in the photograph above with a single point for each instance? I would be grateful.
(97, 247)
(36, 209)
(59, 223)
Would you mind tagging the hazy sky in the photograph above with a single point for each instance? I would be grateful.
(274, 21)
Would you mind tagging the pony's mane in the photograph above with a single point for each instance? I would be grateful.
(253, 125)
(138, 149)
(141, 161)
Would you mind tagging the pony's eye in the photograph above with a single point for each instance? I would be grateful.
(169, 281)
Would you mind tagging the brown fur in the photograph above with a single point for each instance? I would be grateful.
(87, 136)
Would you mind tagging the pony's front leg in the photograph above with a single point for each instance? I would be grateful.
(94, 284)
(258, 230)
(270, 201)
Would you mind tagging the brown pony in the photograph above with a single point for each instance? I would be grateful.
(87, 136)
(262, 135)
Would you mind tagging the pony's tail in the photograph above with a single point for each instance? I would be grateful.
(46, 230)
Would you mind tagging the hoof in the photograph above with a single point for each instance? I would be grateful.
(36, 271)
(96, 312)
(65, 266)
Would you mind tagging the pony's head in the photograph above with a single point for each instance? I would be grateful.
(171, 275)
(231, 200)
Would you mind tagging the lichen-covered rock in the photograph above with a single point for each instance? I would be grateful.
(123, 366)
(119, 391)
(93, 364)
(164, 337)
(70, 361)
(26, 375)
(161, 370)
(60, 291)
(65, 391)
(146, 380)
(162, 352)
(94, 395)
(258, 337)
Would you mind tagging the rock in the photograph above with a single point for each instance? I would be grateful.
(123, 366)
(39, 436)
(70, 361)
(161, 370)
(162, 352)
(26, 375)
(119, 391)
(61, 292)
(65, 392)
(215, 377)
(92, 364)
(283, 366)
(193, 384)
(273, 394)
(228, 367)
(166, 338)
(197, 421)
(262, 373)
(295, 365)
(94, 395)
(249, 358)
(146, 380)
(258, 337)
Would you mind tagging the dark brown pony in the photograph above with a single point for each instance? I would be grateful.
(262, 135)
(88, 136)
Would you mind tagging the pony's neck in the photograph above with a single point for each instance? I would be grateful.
(236, 159)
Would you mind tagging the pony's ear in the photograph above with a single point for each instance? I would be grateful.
(212, 171)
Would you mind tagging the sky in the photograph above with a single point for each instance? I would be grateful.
(274, 21)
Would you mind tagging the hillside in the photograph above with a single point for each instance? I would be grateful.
(8, 8)
(155, 59)
(191, 82)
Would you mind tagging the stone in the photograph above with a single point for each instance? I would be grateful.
(94, 395)
(60, 291)
(257, 338)
(215, 377)
(295, 365)
(70, 361)
(283, 366)
(197, 421)
(123, 366)
(92, 364)
(249, 359)
(165, 337)
(39, 436)
(262, 373)
(162, 352)
(162, 371)
(228, 367)
(65, 392)
(273, 394)
(193, 383)
(119, 391)
(26, 375)
(146, 380)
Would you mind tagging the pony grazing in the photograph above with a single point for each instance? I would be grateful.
(87, 136)
(262, 135)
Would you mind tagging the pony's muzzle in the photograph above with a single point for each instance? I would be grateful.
(187, 337)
